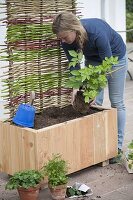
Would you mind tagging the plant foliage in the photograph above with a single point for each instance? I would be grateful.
(90, 78)
(130, 146)
(73, 192)
(129, 25)
(130, 155)
(24, 179)
(129, 5)
(129, 20)
(56, 171)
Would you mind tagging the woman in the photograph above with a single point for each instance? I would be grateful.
(97, 40)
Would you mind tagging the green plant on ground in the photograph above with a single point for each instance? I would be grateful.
(24, 179)
(129, 25)
(130, 146)
(130, 155)
(73, 192)
(90, 78)
(130, 160)
(129, 20)
(56, 171)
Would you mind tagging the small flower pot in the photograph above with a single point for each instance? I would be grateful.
(58, 192)
(29, 194)
(25, 116)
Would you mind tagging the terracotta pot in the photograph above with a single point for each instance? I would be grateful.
(58, 192)
(29, 194)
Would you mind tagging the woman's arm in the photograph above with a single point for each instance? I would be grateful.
(103, 45)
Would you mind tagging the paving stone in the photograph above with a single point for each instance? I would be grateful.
(124, 193)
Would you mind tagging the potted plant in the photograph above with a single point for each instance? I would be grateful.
(27, 182)
(129, 157)
(78, 190)
(56, 171)
(90, 80)
(130, 146)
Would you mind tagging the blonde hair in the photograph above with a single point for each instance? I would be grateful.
(67, 21)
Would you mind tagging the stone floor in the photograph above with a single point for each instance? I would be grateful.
(112, 182)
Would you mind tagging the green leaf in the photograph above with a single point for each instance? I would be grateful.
(80, 56)
(75, 72)
(71, 191)
(73, 53)
(130, 166)
(86, 99)
(72, 64)
(83, 78)
(130, 146)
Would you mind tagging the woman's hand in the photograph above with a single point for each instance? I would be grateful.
(93, 102)
(74, 92)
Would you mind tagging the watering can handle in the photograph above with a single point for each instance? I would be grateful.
(32, 97)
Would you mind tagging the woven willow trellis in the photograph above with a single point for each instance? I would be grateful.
(36, 60)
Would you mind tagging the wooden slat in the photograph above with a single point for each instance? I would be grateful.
(99, 137)
(28, 146)
(17, 148)
(5, 162)
(72, 140)
(112, 133)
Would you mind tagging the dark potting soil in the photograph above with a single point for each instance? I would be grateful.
(55, 115)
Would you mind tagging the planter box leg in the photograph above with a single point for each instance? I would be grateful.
(104, 163)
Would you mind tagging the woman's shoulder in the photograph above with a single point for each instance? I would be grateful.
(91, 20)
(89, 23)
(95, 25)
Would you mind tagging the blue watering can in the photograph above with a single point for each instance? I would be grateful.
(25, 114)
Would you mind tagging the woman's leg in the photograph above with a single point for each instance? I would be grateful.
(99, 98)
(116, 85)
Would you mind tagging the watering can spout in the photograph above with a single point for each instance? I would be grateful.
(25, 114)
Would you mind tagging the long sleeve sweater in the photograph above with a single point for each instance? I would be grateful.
(103, 41)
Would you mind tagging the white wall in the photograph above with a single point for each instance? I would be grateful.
(112, 11)
(90, 8)
(115, 15)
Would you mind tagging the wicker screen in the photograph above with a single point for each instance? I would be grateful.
(36, 59)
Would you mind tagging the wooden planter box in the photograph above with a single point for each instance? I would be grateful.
(83, 142)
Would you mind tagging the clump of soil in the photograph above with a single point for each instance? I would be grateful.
(55, 115)
(79, 103)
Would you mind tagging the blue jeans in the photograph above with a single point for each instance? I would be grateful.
(116, 87)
